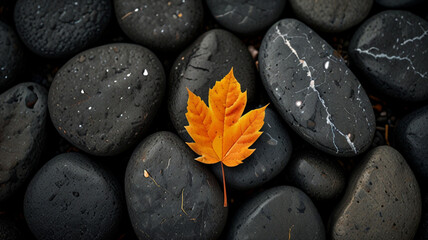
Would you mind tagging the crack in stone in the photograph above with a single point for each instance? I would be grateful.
(312, 86)
(383, 55)
(417, 37)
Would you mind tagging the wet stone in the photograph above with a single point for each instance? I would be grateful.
(204, 62)
(160, 25)
(104, 99)
(314, 91)
(382, 200)
(273, 151)
(319, 176)
(57, 29)
(275, 213)
(11, 57)
(390, 50)
(169, 195)
(71, 197)
(411, 138)
(331, 16)
(23, 116)
(246, 17)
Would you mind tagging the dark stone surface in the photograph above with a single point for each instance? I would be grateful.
(169, 195)
(398, 3)
(207, 60)
(273, 150)
(11, 57)
(23, 116)
(71, 197)
(276, 213)
(390, 49)
(314, 91)
(104, 99)
(319, 176)
(411, 138)
(160, 25)
(331, 15)
(246, 17)
(422, 233)
(382, 200)
(61, 28)
(9, 230)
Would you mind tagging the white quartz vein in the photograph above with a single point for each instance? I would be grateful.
(383, 55)
(425, 33)
(312, 86)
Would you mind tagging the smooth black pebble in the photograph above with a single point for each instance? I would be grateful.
(72, 197)
(170, 195)
(104, 99)
(23, 117)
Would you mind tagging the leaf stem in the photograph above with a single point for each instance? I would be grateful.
(224, 185)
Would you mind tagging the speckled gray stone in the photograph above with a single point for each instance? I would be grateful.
(23, 116)
(170, 195)
(11, 57)
(275, 213)
(61, 28)
(382, 200)
(314, 91)
(104, 99)
(71, 197)
(160, 25)
(390, 49)
(273, 150)
(331, 15)
(411, 138)
(320, 177)
(207, 60)
(246, 16)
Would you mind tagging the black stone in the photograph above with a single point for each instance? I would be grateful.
(411, 138)
(319, 176)
(382, 200)
(276, 213)
(246, 17)
(170, 195)
(23, 116)
(314, 91)
(71, 197)
(398, 3)
(273, 150)
(11, 57)
(160, 25)
(9, 230)
(207, 60)
(59, 28)
(104, 99)
(390, 49)
(331, 15)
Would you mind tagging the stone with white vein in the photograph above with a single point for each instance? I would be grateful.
(314, 91)
(391, 50)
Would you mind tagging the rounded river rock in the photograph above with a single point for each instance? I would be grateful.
(206, 61)
(61, 28)
(170, 195)
(390, 49)
(104, 99)
(160, 25)
(276, 213)
(71, 197)
(382, 200)
(314, 91)
(23, 116)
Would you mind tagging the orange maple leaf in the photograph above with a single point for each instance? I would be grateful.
(219, 131)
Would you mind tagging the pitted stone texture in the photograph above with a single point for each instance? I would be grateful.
(382, 200)
(23, 116)
(104, 99)
(314, 91)
(169, 195)
(390, 49)
(60, 28)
